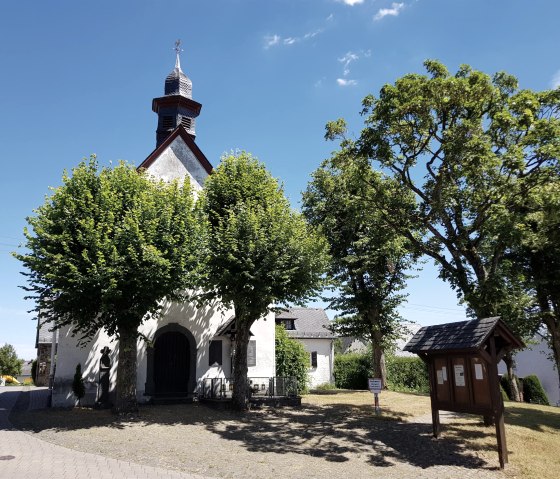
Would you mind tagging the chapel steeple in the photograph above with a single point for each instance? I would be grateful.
(177, 106)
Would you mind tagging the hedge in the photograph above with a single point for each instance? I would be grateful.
(407, 374)
(533, 391)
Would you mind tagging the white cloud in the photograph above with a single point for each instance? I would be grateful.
(330, 18)
(271, 40)
(351, 2)
(290, 41)
(555, 82)
(346, 82)
(347, 59)
(393, 11)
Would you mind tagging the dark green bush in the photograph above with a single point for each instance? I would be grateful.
(291, 359)
(503, 392)
(505, 383)
(351, 370)
(533, 391)
(407, 374)
(78, 386)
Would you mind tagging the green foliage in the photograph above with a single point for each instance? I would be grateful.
(105, 248)
(468, 146)
(533, 391)
(352, 370)
(260, 253)
(291, 359)
(78, 386)
(325, 387)
(369, 258)
(504, 394)
(9, 363)
(407, 374)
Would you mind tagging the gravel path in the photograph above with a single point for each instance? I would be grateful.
(307, 442)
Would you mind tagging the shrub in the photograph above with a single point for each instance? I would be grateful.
(34, 370)
(291, 359)
(533, 391)
(505, 397)
(407, 374)
(351, 370)
(505, 383)
(325, 387)
(78, 386)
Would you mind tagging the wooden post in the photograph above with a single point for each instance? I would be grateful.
(497, 405)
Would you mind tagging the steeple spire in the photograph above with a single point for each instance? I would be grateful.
(178, 51)
(176, 107)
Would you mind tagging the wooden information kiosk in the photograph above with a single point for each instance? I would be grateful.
(462, 360)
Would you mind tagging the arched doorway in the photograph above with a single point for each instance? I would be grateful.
(171, 363)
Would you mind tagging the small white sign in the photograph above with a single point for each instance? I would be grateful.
(439, 376)
(459, 375)
(375, 385)
(478, 371)
(444, 372)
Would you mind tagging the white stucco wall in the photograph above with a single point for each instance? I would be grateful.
(535, 360)
(178, 161)
(202, 324)
(323, 373)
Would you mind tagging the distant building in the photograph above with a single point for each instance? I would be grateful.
(44, 344)
(310, 327)
(536, 359)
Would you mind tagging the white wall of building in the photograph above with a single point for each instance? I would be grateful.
(323, 373)
(202, 323)
(535, 360)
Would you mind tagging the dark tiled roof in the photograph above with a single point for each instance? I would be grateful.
(228, 328)
(309, 323)
(43, 333)
(461, 335)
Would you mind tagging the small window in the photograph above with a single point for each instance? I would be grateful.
(289, 324)
(215, 355)
(252, 353)
(186, 122)
(314, 359)
(167, 122)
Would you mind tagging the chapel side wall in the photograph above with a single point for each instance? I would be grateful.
(69, 354)
(264, 335)
(324, 371)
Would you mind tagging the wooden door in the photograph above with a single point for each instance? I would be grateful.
(171, 363)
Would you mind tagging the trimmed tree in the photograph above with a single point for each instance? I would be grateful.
(105, 248)
(369, 258)
(260, 252)
(9, 363)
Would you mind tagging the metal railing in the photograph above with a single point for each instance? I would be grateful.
(222, 388)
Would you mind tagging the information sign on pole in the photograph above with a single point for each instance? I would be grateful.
(375, 385)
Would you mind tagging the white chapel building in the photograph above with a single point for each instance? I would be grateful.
(187, 344)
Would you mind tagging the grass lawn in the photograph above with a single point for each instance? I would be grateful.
(532, 431)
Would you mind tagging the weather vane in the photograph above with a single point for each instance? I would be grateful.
(178, 51)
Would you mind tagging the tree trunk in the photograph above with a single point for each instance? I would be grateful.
(240, 397)
(126, 373)
(378, 358)
(512, 378)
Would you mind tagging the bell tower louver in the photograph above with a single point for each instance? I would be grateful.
(176, 107)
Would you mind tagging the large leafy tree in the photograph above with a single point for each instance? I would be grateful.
(10, 364)
(105, 248)
(260, 252)
(369, 258)
(468, 146)
(538, 255)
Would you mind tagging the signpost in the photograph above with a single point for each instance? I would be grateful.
(375, 385)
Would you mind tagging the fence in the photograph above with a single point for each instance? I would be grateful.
(222, 388)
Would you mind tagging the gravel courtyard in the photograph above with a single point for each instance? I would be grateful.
(318, 440)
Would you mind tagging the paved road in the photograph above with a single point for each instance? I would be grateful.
(23, 456)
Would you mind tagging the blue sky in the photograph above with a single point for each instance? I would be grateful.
(78, 78)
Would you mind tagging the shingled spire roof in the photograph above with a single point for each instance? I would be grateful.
(177, 83)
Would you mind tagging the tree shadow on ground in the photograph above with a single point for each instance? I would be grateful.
(333, 433)
(534, 419)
